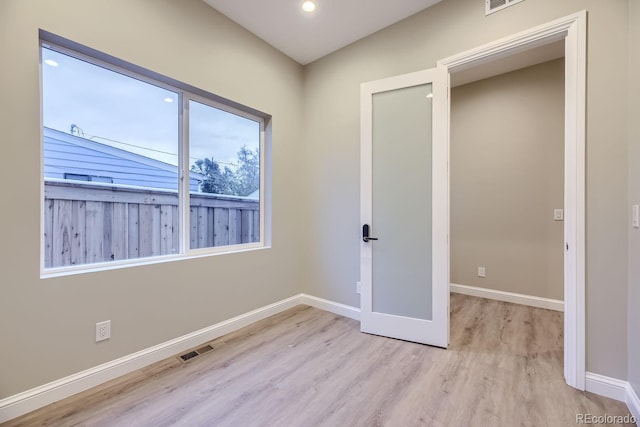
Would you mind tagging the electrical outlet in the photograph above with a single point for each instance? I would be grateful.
(103, 330)
(481, 272)
(357, 287)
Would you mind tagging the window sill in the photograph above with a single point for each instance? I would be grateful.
(49, 273)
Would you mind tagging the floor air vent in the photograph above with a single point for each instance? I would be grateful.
(496, 5)
(194, 353)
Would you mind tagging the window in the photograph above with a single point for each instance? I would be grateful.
(136, 165)
(77, 177)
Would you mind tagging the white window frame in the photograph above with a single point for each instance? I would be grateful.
(186, 93)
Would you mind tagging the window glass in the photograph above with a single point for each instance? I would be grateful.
(112, 166)
(225, 149)
(100, 122)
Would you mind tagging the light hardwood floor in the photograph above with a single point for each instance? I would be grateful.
(307, 367)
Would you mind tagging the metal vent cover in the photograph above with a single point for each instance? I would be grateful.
(194, 353)
(492, 6)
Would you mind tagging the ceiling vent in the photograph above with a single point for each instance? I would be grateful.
(496, 5)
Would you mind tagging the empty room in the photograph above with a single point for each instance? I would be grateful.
(297, 213)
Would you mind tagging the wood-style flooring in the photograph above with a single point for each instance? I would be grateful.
(307, 367)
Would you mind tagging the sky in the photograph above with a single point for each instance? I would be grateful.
(117, 110)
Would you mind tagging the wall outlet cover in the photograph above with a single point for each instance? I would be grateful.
(103, 330)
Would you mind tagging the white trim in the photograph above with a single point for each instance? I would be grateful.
(532, 301)
(573, 29)
(330, 306)
(633, 403)
(27, 401)
(612, 388)
(616, 389)
(519, 42)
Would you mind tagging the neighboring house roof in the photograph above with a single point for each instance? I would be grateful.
(67, 156)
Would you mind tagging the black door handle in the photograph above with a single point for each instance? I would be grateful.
(365, 234)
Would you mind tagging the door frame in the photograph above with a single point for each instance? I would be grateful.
(573, 30)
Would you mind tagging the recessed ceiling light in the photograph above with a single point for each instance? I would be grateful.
(169, 100)
(51, 62)
(308, 6)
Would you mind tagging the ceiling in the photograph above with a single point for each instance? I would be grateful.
(306, 37)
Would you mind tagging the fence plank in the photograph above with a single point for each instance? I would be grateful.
(79, 229)
(256, 226)
(175, 224)
(145, 227)
(193, 228)
(107, 231)
(134, 232)
(48, 233)
(210, 224)
(221, 227)
(166, 230)
(235, 226)
(119, 231)
(94, 222)
(155, 230)
(203, 220)
(247, 225)
(62, 233)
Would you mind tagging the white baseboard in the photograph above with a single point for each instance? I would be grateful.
(550, 304)
(30, 400)
(612, 388)
(332, 307)
(633, 402)
(616, 389)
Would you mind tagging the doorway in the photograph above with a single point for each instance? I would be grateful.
(506, 182)
(572, 31)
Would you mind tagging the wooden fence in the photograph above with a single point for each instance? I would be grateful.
(87, 223)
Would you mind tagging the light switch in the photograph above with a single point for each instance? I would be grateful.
(635, 216)
(558, 214)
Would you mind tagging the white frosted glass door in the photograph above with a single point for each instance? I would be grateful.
(401, 153)
(404, 270)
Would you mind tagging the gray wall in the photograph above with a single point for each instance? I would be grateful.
(332, 147)
(506, 169)
(634, 194)
(47, 326)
